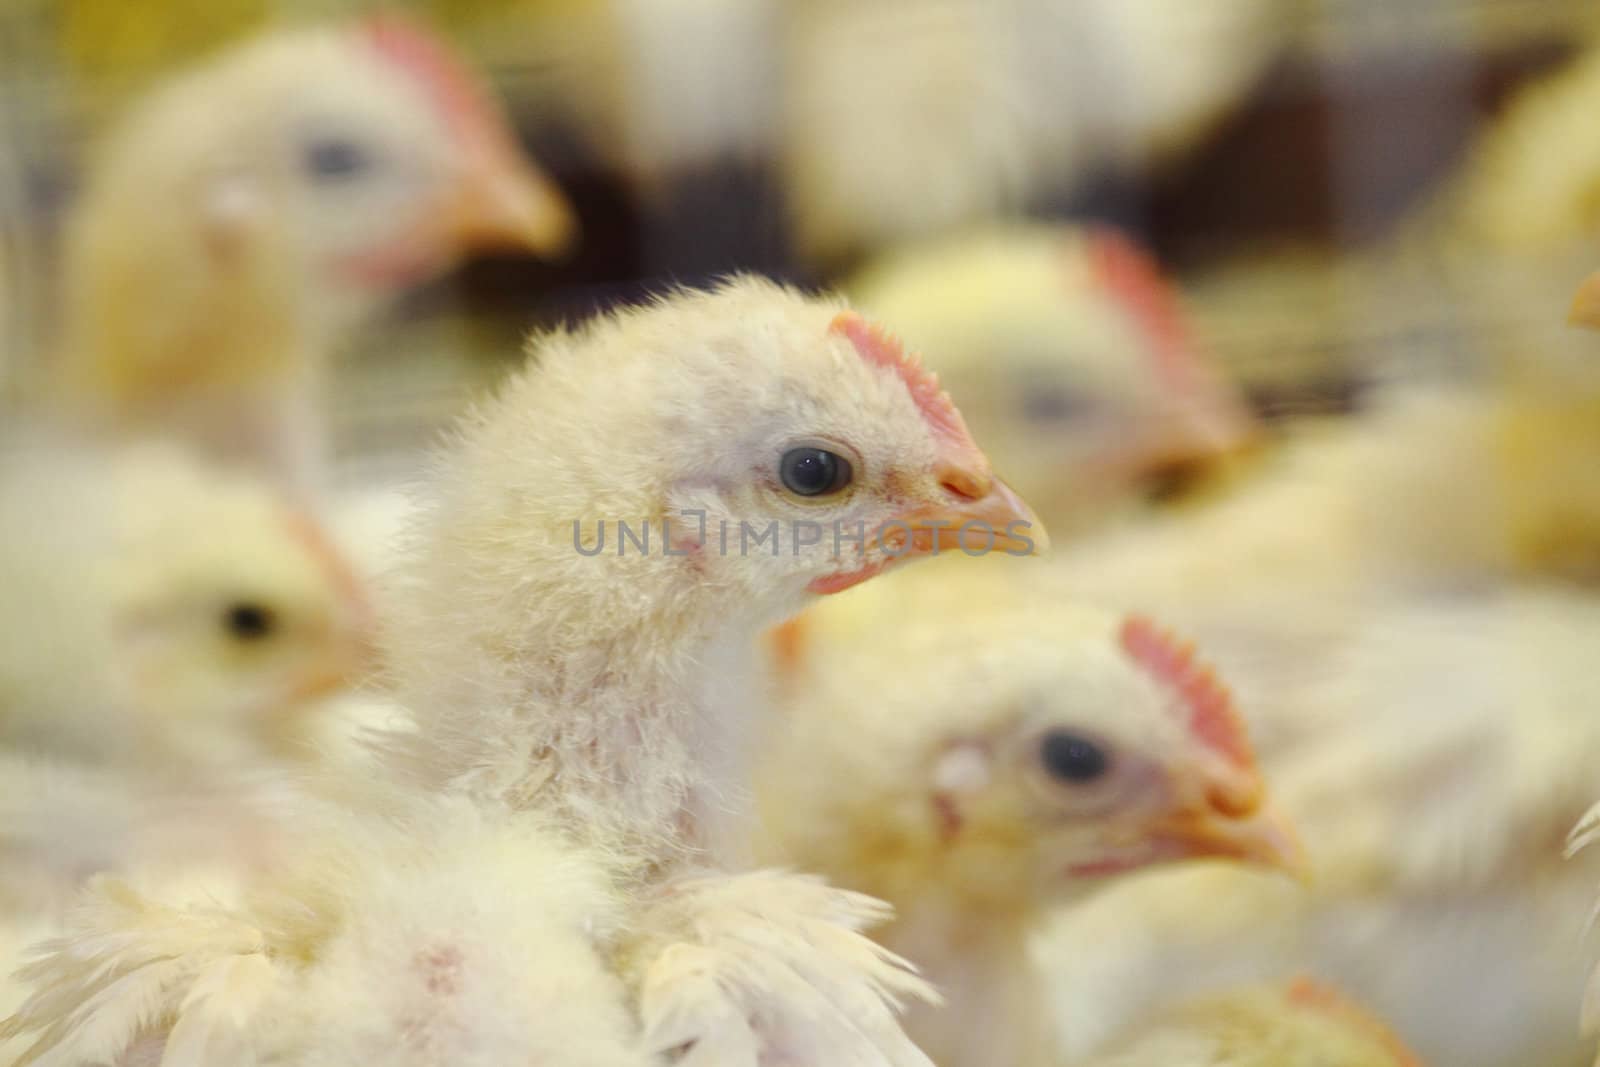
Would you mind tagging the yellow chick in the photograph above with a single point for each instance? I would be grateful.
(1072, 356)
(565, 675)
(1300, 1024)
(242, 217)
(170, 636)
(1023, 751)
(1443, 747)
(908, 117)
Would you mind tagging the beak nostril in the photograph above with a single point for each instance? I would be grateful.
(964, 483)
(1235, 799)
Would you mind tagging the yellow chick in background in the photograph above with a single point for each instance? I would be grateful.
(605, 693)
(249, 212)
(1298, 1024)
(1073, 359)
(168, 637)
(976, 754)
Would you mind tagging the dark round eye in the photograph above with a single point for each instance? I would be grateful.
(814, 471)
(250, 622)
(335, 158)
(1053, 403)
(1068, 757)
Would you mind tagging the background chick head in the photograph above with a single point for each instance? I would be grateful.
(1072, 357)
(171, 610)
(1024, 749)
(354, 161)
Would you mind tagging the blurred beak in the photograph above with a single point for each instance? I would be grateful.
(1263, 837)
(506, 204)
(980, 514)
(1586, 304)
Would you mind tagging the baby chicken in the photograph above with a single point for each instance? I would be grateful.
(1072, 357)
(250, 211)
(566, 671)
(1298, 1024)
(167, 631)
(1028, 750)
(974, 109)
(1446, 746)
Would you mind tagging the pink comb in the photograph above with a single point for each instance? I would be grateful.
(1212, 715)
(883, 349)
(459, 94)
(1129, 273)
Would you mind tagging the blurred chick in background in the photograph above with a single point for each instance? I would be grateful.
(1447, 744)
(1297, 1024)
(889, 120)
(1072, 356)
(168, 634)
(982, 766)
(1397, 601)
(250, 212)
(911, 116)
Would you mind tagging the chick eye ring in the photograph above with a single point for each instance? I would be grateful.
(812, 471)
(1073, 759)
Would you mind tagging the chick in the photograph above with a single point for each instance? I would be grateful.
(1298, 1024)
(1072, 357)
(562, 674)
(300, 182)
(1446, 745)
(1027, 751)
(180, 628)
(975, 109)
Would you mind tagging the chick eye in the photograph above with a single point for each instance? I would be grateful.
(249, 622)
(814, 471)
(1068, 757)
(1053, 403)
(335, 159)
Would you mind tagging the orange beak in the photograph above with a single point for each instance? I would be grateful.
(1232, 822)
(980, 514)
(1585, 309)
(504, 203)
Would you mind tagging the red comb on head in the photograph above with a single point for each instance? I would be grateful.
(1134, 279)
(882, 349)
(460, 96)
(1212, 715)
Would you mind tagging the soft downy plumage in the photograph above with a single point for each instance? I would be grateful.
(241, 219)
(1295, 1024)
(602, 695)
(1025, 751)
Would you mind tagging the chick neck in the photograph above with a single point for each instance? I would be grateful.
(995, 1008)
(623, 704)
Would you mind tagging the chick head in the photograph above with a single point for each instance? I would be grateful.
(353, 161)
(1073, 359)
(180, 611)
(1021, 751)
(714, 459)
